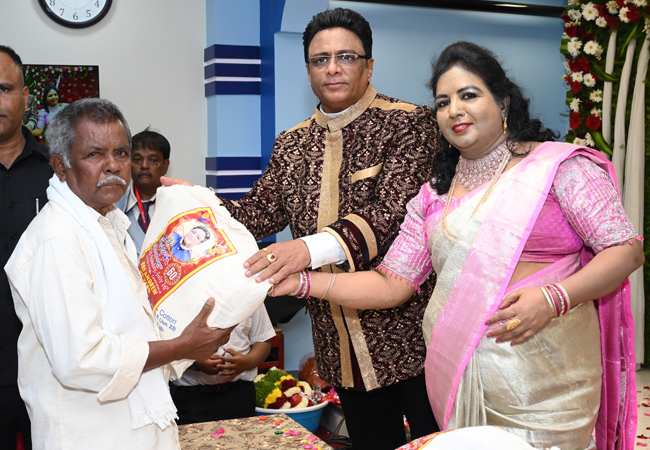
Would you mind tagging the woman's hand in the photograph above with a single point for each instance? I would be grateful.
(289, 284)
(527, 305)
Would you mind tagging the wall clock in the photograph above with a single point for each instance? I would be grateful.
(76, 13)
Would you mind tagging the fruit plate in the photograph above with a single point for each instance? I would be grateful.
(307, 417)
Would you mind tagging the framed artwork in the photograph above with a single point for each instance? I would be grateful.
(52, 88)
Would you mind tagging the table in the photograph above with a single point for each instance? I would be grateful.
(250, 432)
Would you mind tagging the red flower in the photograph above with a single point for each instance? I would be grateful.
(278, 403)
(574, 120)
(588, 36)
(611, 21)
(576, 87)
(579, 65)
(602, 9)
(566, 18)
(633, 13)
(620, 3)
(571, 31)
(588, 104)
(593, 122)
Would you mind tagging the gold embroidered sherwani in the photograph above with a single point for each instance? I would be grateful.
(352, 176)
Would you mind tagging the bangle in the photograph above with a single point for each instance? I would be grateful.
(558, 299)
(330, 284)
(547, 295)
(300, 283)
(304, 286)
(561, 294)
(307, 291)
(566, 296)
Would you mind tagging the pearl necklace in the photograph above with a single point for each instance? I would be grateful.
(473, 173)
(502, 162)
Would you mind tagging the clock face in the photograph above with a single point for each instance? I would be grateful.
(76, 13)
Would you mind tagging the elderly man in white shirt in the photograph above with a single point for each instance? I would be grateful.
(92, 370)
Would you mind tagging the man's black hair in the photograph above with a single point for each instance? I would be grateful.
(339, 18)
(153, 141)
(14, 56)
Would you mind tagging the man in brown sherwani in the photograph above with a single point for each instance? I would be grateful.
(341, 180)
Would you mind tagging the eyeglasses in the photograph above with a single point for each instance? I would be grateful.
(346, 59)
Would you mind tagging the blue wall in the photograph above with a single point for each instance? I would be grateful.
(405, 39)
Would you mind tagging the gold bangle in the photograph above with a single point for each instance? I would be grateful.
(549, 300)
(330, 284)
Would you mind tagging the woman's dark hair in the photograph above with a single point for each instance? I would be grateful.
(339, 18)
(483, 63)
(48, 88)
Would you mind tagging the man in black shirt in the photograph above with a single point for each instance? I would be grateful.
(24, 175)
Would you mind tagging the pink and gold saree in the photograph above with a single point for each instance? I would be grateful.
(551, 390)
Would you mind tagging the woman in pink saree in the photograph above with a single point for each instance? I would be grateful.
(529, 326)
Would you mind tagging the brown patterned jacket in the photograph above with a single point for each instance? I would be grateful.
(352, 176)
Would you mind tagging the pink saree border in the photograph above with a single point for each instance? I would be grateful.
(445, 365)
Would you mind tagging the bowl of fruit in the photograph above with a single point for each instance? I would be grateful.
(277, 392)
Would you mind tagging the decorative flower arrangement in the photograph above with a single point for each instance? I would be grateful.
(587, 29)
(279, 390)
(74, 82)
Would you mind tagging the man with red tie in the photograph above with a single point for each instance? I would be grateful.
(149, 162)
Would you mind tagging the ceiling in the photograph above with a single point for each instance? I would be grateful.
(532, 9)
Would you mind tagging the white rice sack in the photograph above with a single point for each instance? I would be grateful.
(194, 250)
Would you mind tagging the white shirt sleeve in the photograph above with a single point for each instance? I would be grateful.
(324, 249)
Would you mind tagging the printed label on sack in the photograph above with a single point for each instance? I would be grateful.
(190, 242)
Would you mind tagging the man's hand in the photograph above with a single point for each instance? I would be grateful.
(199, 340)
(166, 181)
(290, 257)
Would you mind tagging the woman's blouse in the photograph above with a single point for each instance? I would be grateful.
(582, 208)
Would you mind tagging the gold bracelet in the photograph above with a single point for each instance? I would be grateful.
(547, 295)
(330, 284)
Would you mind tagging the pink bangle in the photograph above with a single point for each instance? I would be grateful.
(305, 285)
(564, 296)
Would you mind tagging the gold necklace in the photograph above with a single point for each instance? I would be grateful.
(495, 177)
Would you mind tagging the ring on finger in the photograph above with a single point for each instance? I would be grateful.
(512, 324)
(270, 257)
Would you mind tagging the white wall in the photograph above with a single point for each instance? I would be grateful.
(150, 58)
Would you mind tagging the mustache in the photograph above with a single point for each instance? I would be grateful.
(110, 179)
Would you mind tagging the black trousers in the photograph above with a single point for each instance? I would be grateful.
(375, 419)
(214, 402)
(13, 417)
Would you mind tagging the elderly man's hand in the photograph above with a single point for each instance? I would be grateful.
(278, 261)
(198, 340)
(166, 181)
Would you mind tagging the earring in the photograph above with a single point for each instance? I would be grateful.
(505, 125)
